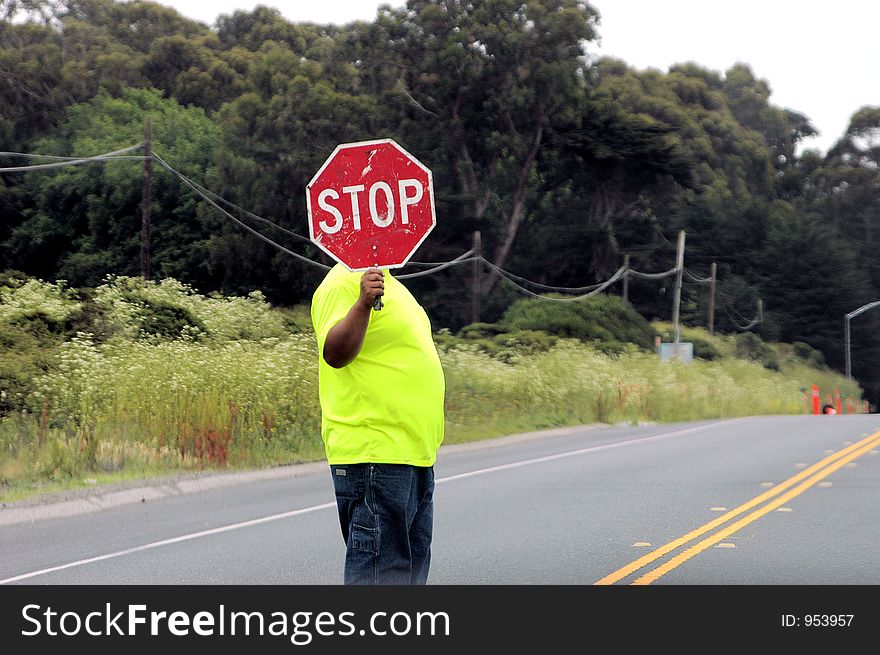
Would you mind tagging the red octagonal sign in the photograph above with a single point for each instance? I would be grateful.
(371, 204)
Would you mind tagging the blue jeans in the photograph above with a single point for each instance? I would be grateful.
(386, 512)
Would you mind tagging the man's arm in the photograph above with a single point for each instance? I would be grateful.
(346, 338)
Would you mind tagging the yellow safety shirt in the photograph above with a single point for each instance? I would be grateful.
(386, 406)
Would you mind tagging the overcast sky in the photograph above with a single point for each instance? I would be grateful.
(820, 58)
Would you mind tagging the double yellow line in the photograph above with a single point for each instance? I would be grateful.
(781, 494)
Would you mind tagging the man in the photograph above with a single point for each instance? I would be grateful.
(381, 388)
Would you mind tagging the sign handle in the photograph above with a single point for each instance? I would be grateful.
(377, 303)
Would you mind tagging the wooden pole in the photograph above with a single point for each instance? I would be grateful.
(676, 302)
(712, 299)
(476, 282)
(145, 200)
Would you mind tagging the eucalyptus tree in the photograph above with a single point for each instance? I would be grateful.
(483, 85)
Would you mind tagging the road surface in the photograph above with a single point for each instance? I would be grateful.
(758, 500)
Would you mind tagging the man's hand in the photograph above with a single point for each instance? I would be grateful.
(372, 286)
(345, 339)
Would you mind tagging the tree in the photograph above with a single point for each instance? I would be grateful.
(484, 82)
(605, 168)
(842, 191)
(846, 188)
(564, 164)
(85, 220)
(810, 279)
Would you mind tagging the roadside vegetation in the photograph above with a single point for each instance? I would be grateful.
(132, 379)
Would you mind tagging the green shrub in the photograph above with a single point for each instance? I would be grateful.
(60, 462)
(601, 318)
(23, 358)
(481, 331)
(295, 319)
(444, 338)
(12, 278)
(495, 341)
(23, 300)
(525, 341)
(164, 319)
(704, 349)
(614, 348)
(771, 362)
(813, 357)
(132, 307)
(750, 346)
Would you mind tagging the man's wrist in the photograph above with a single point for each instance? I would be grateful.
(362, 307)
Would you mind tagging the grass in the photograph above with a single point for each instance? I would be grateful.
(120, 403)
(38, 488)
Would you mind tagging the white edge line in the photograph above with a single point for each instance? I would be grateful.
(173, 540)
(315, 508)
(572, 453)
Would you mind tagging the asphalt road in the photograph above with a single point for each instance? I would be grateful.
(763, 500)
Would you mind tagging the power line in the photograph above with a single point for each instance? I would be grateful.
(759, 318)
(71, 162)
(590, 287)
(412, 263)
(461, 259)
(250, 214)
(33, 155)
(195, 188)
(466, 257)
(654, 276)
(696, 279)
(731, 301)
(205, 193)
(604, 285)
(547, 287)
(435, 267)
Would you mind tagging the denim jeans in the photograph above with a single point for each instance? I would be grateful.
(386, 512)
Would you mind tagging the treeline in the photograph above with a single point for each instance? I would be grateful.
(564, 162)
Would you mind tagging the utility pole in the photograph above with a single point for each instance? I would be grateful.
(145, 200)
(476, 282)
(676, 306)
(626, 278)
(712, 299)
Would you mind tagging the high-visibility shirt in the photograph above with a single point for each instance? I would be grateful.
(386, 406)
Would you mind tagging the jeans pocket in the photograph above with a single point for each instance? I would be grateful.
(348, 481)
(364, 533)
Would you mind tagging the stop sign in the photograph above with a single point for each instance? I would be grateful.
(370, 204)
